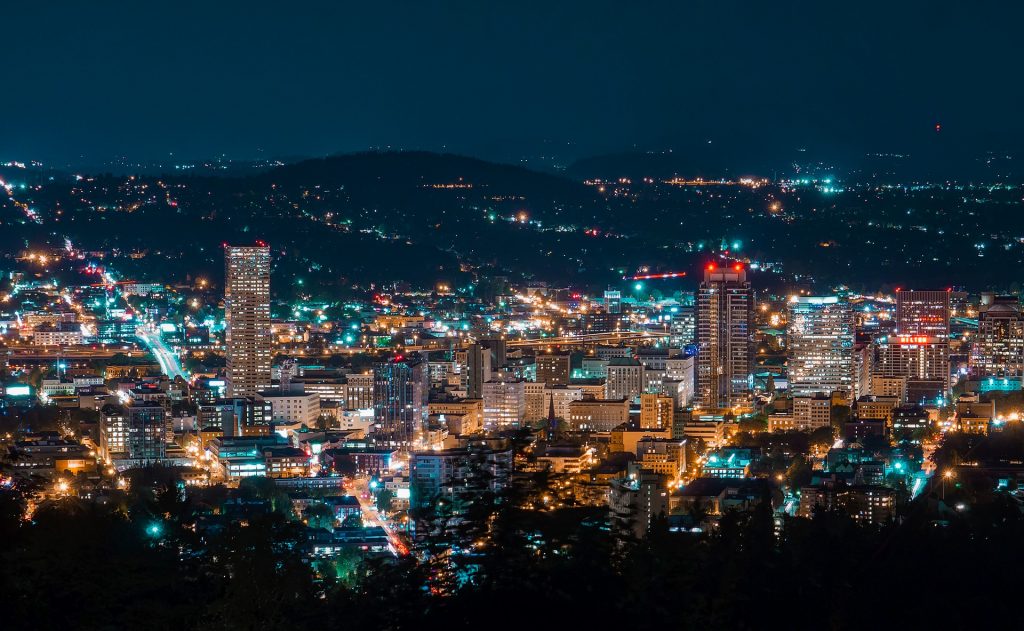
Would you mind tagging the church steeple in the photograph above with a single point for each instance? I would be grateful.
(552, 421)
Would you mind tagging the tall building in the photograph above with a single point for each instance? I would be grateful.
(998, 349)
(724, 340)
(504, 404)
(819, 338)
(922, 360)
(113, 431)
(625, 379)
(922, 313)
(247, 313)
(613, 301)
(400, 391)
(554, 369)
(683, 328)
(920, 350)
(147, 431)
(656, 411)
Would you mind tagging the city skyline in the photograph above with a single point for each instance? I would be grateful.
(564, 315)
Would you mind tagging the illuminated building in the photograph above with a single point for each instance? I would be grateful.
(613, 301)
(504, 404)
(811, 412)
(58, 334)
(444, 474)
(598, 415)
(664, 456)
(469, 412)
(656, 411)
(624, 380)
(294, 404)
(636, 500)
(285, 462)
(561, 397)
(683, 328)
(113, 432)
(147, 432)
(998, 349)
(819, 338)
(922, 313)
(400, 390)
(883, 386)
(554, 369)
(922, 360)
(247, 314)
(724, 356)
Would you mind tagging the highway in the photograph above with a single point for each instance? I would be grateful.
(168, 361)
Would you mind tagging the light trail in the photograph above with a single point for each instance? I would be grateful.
(164, 355)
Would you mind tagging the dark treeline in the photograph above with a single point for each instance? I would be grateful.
(137, 562)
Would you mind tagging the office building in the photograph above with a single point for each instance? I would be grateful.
(922, 313)
(247, 315)
(147, 432)
(819, 338)
(656, 411)
(724, 338)
(998, 349)
(400, 391)
(625, 379)
(554, 369)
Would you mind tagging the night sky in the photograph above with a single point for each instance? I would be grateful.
(87, 81)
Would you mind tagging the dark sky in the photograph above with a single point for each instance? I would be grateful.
(85, 81)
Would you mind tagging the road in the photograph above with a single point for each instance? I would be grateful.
(371, 516)
(168, 361)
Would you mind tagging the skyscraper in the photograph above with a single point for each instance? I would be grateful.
(998, 349)
(247, 313)
(724, 307)
(146, 431)
(819, 338)
(400, 390)
(920, 350)
(922, 313)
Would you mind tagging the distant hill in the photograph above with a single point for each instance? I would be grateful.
(384, 176)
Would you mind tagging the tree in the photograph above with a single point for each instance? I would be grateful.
(384, 499)
(822, 437)
(319, 515)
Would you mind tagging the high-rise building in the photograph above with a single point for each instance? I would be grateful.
(923, 360)
(625, 379)
(554, 369)
(247, 313)
(998, 349)
(113, 431)
(613, 301)
(683, 328)
(920, 350)
(656, 411)
(400, 392)
(147, 431)
(922, 313)
(819, 338)
(504, 404)
(724, 340)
